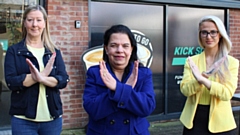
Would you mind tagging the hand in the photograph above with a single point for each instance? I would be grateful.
(39, 76)
(214, 68)
(196, 73)
(47, 70)
(107, 78)
(36, 76)
(132, 80)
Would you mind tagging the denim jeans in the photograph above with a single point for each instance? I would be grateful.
(25, 127)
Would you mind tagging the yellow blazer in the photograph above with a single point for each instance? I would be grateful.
(221, 116)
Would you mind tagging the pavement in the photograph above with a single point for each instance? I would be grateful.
(170, 127)
(157, 128)
(173, 127)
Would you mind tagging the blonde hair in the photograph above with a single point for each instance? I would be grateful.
(225, 46)
(45, 37)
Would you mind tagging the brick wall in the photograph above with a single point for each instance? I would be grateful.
(234, 23)
(72, 42)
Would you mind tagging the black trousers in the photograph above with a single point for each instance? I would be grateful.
(200, 123)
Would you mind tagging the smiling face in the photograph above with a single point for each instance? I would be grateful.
(209, 35)
(34, 24)
(119, 50)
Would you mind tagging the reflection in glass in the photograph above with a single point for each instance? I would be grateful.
(182, 42)
(11, 12)
(147, 19)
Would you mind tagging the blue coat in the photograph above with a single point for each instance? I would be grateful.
(24, 99)
(122, 112)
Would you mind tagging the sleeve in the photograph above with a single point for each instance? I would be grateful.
(189, 85)
(13, 80)
(140, 100)
(225, 91)
(95, 97)
(61, 73)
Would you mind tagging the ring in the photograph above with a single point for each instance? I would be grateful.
(104, 74)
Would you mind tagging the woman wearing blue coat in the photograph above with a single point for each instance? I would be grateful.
(118, 94)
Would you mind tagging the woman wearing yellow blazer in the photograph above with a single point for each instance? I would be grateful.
(209, 82)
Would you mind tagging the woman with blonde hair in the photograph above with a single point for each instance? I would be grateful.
(209, 82)
(35, 72)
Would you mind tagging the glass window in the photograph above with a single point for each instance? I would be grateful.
(11, 12)
(182, 42)
(168, 59)
(146, 23)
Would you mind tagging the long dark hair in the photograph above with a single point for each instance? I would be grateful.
(125, 30)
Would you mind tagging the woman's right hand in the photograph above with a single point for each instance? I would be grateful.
(107, 78)
(195, 71)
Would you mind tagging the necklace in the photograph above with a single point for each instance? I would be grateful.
(208, 65)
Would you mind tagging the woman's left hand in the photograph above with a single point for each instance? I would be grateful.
(47, 70)
(132, 80)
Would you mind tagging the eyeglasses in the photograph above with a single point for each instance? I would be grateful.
(212, 33)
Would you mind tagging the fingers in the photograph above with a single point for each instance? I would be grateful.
(205, 75)
(53, 55)
(103, 70)
(47, 70)
(29, 62)
(219, 62)
(132, 80)
(136, 64)
(215, 67)
(31, 66)
(33, 70)
(107, 78)
(190, 62)
(52, 59)
(104, 65)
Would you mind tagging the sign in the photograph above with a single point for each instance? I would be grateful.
(93, 55)
(4, 44)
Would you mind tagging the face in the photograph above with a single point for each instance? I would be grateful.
(34, 23)
(119, 50)
(209, 35)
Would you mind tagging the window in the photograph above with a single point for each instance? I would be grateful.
(11, 12)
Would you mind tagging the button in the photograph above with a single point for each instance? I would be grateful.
(112, 122)
(126, 121)
(121, 104)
